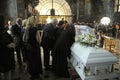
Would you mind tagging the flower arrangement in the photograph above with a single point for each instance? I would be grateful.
(87, 40)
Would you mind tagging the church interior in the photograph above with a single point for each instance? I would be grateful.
(75, 12)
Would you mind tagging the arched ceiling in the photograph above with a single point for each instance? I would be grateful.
(61, 7)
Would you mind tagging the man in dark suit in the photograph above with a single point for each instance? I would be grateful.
(48, 40)
(17, 36)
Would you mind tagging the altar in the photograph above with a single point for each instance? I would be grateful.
(93, 63)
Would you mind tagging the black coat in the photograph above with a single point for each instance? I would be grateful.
(48, 37)
(62, 51)
(17, 33)
(7, 61)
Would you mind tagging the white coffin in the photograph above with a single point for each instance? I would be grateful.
(93, 63)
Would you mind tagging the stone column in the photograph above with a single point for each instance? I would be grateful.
(12, 9)
(80, 10)
(15, 9)
(87, 10)
(21, 8)
(96, 10)
(8, 9)
(108, 8)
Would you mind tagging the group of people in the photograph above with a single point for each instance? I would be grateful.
(25, 39)
(56, 41)
(111, 30)
(7, 46)
(11, 41)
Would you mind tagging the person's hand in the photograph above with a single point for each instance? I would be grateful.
(11, 45)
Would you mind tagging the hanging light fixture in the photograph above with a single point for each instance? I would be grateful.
(52, 11)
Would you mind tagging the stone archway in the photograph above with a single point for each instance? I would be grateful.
(62, 9)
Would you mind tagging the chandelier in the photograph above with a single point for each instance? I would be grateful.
(52, 10)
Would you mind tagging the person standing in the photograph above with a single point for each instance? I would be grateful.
(8, 27)
(48, 40)
(33, 55)
(114, 31)
(58, 30)
(7, 61)
(62, 51)
(17, 35)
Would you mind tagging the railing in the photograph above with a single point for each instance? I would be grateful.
(109, 43)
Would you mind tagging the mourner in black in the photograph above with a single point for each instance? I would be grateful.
(17, 36)
(7, 62)
(62, 51)
(33, 55)
(48, 40)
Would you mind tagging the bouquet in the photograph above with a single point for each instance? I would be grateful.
(87, 40)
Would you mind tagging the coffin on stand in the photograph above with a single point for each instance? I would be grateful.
(93, 63)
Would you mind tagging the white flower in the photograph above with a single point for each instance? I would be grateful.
(87, 39)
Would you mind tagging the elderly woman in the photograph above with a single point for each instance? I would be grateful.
(7, 62)
(34, 55)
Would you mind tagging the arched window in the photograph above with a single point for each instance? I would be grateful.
(61, 7)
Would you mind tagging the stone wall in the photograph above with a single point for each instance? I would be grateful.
(12, 9)
(90, 10)
(82, 10)
(8, 8)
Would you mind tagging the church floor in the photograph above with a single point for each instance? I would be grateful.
(22, 74)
